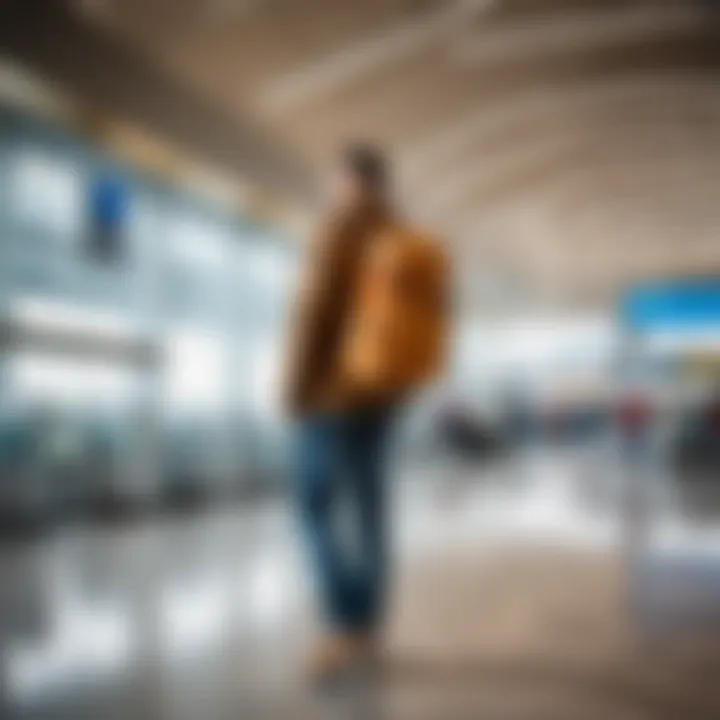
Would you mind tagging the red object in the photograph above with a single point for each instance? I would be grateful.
(714, 414)
(634, 413)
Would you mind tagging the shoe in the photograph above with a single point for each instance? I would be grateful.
(336, 656)
(370, 652)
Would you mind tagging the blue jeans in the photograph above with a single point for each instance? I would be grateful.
(340, 484)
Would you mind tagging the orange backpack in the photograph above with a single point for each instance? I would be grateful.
(396, 333)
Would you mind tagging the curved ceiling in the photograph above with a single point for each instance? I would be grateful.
(576, 135)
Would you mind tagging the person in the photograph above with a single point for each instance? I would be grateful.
(342, 433)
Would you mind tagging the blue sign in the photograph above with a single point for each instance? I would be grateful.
(108, 212)
(676, 305)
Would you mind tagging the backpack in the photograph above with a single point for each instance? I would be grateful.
(395, 338)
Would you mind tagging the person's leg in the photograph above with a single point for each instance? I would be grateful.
(366, 464)
(317, 484)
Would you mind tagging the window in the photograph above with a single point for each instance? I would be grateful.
(48, 194)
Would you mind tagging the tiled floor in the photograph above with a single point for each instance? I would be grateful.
(210, 617)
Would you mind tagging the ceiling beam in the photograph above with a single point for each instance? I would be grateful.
(399, 111)
(564, 32)
(96, 68)
(367, 55)
(538, 163)
(520, 115)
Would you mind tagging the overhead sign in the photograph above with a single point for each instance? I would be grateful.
(673, 306)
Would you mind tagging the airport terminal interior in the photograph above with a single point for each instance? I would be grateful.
(554, 496)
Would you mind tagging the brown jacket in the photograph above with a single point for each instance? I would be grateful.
(313, 381)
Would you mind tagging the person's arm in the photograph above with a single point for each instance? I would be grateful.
(313, 307)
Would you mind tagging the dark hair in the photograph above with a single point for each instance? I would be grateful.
(366, 163)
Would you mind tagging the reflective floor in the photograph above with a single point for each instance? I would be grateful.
(511, 600)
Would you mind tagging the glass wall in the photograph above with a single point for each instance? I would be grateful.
(141, 334)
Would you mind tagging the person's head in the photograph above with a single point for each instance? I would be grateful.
(361, 175)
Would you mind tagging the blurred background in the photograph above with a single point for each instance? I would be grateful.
(557, 495)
